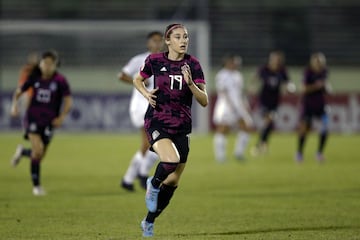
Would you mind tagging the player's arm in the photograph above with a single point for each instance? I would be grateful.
(67, 104)
(140, 86)
(14, 106)
(317, 85)
(198, 90)
(125, 78)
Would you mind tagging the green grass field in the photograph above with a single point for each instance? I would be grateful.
(269, 197)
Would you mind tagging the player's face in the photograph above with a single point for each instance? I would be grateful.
(47, 66)
(275, 61)
(178, 40)
(155, 43)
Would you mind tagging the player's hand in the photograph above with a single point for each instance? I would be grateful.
(320, 84)
(150, 96)
(14, 110)
(57, 122)
(185, 70)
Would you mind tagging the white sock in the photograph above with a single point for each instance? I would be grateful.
(133, 169)
(148, 162)
(220, 147)
(241, 143)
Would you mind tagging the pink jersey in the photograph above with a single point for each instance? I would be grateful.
(174, 98)
(47, 98)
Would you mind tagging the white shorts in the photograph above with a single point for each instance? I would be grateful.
(225, 115)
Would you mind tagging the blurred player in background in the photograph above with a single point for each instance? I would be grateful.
(178, 78)
(49, 105)
(315, 87)
(272, 77)
(26, 70)
(230, 109)
(143, 160)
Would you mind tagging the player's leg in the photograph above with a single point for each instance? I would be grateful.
(37, 153)
(148, 161)
(304, 127)
(323, 135)
(242, 139)
(268, 127)
(220, 142)
(167, 190)
(131, 173)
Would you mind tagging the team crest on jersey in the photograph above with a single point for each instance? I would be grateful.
(37, 84)
(53, 86)
(155, 134)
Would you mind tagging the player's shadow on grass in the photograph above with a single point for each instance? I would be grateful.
(271, 230)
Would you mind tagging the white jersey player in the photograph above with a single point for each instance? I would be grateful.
(230, 109)
(143, 159)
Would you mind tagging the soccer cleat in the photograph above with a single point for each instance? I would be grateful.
(147, 228)
(127, 186)
(17, 155)
(142, 180)
(151, 196)
(299, 157)
(38, 191)
(319, 157)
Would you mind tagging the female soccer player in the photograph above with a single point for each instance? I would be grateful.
(51, 93)
(177, 78)
(144, 159)
(272, 77)
(315, 87)
(230, 109)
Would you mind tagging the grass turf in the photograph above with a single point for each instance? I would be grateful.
(269, 197)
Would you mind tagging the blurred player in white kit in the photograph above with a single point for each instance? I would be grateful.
(231, 109)
(143, 160)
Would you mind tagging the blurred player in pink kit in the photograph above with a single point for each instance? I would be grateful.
(49, 104)
(178, 78)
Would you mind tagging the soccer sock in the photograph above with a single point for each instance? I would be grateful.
(26, 152)
(266, 132)
(241, 142)
(301, 143)
(35, 171)
(322, 141)
(163, 170)
(132, 171)
(220, 143)
(147, 163)
(165, 194)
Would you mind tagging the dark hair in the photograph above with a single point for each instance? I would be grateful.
(154, 33)
(51, 54)
(171, 27)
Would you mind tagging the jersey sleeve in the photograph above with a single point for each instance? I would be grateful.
(132, 67)
(65, 88)
(197, 73)
(147, 70)
(285, 76)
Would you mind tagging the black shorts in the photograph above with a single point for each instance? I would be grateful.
(45, 132)
(268, 110)
(308, 114)
(181, 141)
